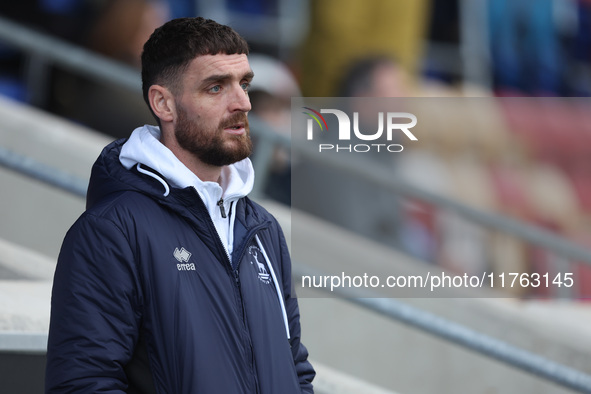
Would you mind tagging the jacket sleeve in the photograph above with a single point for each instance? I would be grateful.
(304, 369)
(94, 310)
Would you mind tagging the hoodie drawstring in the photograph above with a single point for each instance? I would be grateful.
(159, 179)
(277, 288)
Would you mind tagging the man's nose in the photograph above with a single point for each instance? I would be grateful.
(240, 100)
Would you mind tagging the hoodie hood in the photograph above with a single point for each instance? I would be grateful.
(117, 169)
(144, 148)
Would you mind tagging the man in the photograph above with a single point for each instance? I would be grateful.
(173, 281)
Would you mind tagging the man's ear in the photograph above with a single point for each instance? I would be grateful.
(162, 103)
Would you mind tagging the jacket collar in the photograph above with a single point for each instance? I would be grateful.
(144, 147)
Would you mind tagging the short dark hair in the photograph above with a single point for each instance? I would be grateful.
(172, 46)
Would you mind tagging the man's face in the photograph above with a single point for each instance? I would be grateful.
(211, 107)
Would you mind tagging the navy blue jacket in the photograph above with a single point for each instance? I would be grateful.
(146, 299)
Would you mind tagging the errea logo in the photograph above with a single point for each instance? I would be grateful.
(182, 255)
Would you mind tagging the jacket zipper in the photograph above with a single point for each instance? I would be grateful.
(236, 273)
(252, 359)
(248, 239)
(250, 236)
(222, 209)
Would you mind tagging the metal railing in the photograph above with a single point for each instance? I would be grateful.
(44, 50)
(96, 66)
(41, 172)
(523, 231)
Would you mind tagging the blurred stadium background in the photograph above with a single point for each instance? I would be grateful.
(520, 166)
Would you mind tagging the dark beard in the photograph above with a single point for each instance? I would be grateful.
(214, 147)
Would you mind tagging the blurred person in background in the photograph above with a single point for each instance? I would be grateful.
(118, 32)
(375, 76)
(173, 280)
(123, 26)
(360, 49)
(116, 29)
(376, 214)
(525, 50)
(342, 32)
(270, 94)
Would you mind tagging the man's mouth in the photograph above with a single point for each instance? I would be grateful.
(237, 128)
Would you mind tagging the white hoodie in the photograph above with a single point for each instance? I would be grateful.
(236, 181)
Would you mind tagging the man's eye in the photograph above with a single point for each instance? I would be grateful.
(215, 89)
(245, 86)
